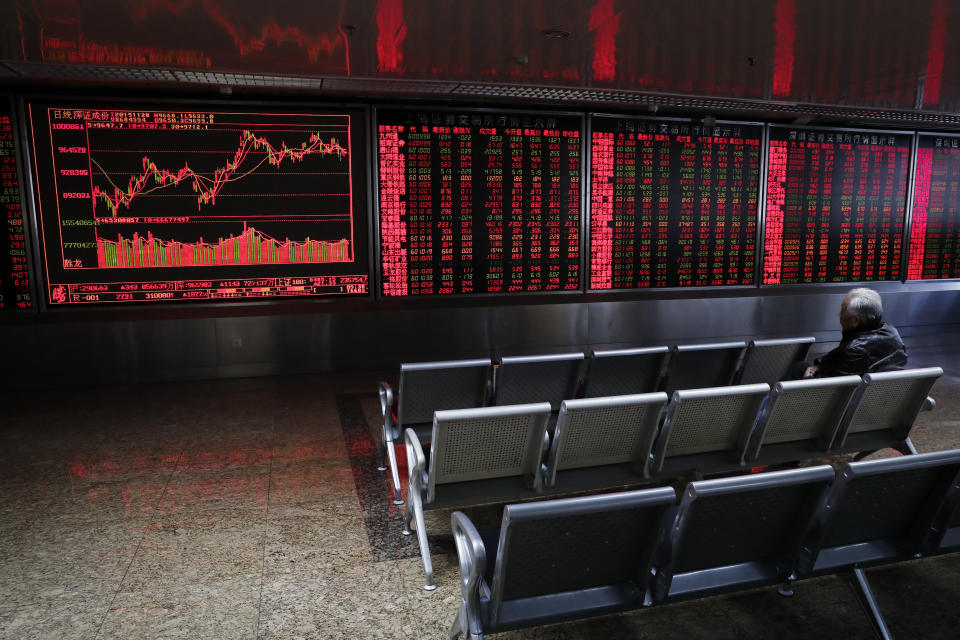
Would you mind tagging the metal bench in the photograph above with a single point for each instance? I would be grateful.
(425, 387)
(563, 559)
(603, 442)
(881, 511)
(770, 360)
(699, 366)
(739, 532)
(800, 420)
(883, 410)
(559, 560)
(707, 430)
(621, 372)
(549, 378)
(490, 454)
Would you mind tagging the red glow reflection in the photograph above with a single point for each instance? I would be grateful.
(606, 23)
(938, 36)
(391, 32)
(66, 37)
(783, 53)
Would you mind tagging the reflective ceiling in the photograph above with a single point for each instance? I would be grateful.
(886, 54)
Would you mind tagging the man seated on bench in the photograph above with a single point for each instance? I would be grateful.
(868, 344)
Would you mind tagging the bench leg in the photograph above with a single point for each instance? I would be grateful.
(865, 595)
(392, 463)
(906, 447)
(461, 628)
(415, 504)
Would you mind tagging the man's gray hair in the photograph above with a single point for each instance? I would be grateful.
(865, 304)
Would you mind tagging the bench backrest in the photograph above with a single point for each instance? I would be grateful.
(881, 510)
(547, 378)
(485, 443)
(800, 416)
(770, 360)
(698, 366)
(426, 387)
(946, 534)
(884, 406)
(739, 531)
(620, 372)
(593, 432)
(572, 557)
(714, 421)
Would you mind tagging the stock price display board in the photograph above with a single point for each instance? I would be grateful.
(835, 205)
(146, 204)
(478, 202)
(14, 274)
(673, 204)
(935, 226)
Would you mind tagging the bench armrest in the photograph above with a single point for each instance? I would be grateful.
(472, 556)
(389, 430)
(416, 461)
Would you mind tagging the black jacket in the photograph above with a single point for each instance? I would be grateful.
(865, 350)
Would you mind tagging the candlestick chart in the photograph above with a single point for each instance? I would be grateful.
(170, 195)
(153, 178)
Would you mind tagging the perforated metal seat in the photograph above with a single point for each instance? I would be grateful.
(603, 442)
(480, 455)
(549, 378)
(800, 419)
(770, 360)
(426, 387)
(559, 559)
(883, 410)
(739, 532)
(620, 372)
(699, 366)
(707, 430)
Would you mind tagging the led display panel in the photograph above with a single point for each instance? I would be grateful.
(474, 202)
(935, 223)
(155, 203)
(673, 203)
(14, 271)
(835, 205)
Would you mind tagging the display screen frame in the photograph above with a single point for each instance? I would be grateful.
(361, 194)
(908, 205)
(761, 200)
(508, 297)
(909, 230)
(21, 153)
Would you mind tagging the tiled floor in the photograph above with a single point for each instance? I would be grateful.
(253, 509)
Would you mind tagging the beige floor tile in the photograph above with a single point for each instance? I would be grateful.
(197, 546)
(66, 614)
(224, 609)
(364, 601)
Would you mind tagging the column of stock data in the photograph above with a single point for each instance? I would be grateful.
(145, 204)
(14, 274)
(673, 204)
(478, 202)
(835, 205)
(935, 226)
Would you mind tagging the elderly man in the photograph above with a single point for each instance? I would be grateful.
(868, 344)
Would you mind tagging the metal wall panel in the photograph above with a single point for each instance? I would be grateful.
(59, 350)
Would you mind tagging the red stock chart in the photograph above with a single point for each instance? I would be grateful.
(145, 204)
